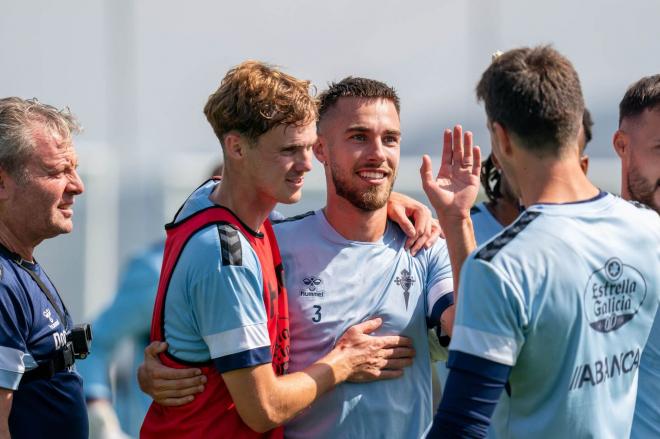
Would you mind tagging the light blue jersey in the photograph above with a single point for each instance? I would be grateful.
(334, 284)
(484, 223)
(566, 296)
(200, 323)
(485, 226)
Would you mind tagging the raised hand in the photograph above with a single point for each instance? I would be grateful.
(453, 192)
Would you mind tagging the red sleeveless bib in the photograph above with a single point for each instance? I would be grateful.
(212, 414)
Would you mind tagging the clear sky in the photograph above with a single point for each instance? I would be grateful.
(138, 72)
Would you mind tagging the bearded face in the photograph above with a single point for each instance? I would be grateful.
(367, 188)
(642, 167)
(361, 146)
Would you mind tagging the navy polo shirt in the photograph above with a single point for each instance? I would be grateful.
(31, 332)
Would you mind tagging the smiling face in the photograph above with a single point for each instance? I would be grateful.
(640, 157)
(359, 141)
(42, 203)
(277, 163)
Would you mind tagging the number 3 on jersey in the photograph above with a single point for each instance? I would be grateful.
(317, 314)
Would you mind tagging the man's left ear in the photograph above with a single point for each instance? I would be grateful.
(320, 150)
(584, 163)
(620, 142)
(502, 138)
(234, 145)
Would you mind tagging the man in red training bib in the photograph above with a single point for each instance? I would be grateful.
(221, 304)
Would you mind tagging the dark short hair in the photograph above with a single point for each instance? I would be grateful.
(535, 93)
(491, 177)
(587, 125)
(351, 87)
(642, 95)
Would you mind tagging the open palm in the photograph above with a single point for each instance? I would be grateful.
(454, 190)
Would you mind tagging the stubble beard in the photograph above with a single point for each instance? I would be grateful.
(373, 198)
(642, 190)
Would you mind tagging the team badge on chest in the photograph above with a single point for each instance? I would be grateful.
(405, 281)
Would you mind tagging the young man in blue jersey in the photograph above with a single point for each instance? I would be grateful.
(347, 263)
(40, 392)
(221, 304)
(490, 217)
(558, 307)
(637, 142)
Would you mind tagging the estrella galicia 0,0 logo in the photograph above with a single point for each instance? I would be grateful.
(613, 295)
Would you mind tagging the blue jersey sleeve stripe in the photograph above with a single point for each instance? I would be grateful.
(240, 360)
(441, 289)
(238, 340)
(497, 348)
(439, 307)
(14, 360)
(230, 245)
(488, 251)
(9, 379)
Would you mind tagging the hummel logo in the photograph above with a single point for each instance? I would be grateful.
(53, 323)
(313, 287)
(312, 282)
(48, 315)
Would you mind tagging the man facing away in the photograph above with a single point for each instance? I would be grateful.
(489, 218)
(346, 263)
(40, 392)
(558, 307)
(637, 142)
(221, 303)
(502, 208)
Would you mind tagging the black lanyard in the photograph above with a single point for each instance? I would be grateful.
(23, 264)
(45, 290)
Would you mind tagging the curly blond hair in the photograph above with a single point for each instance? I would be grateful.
(254, 97)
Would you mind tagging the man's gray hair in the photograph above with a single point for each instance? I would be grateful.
(18, 120)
